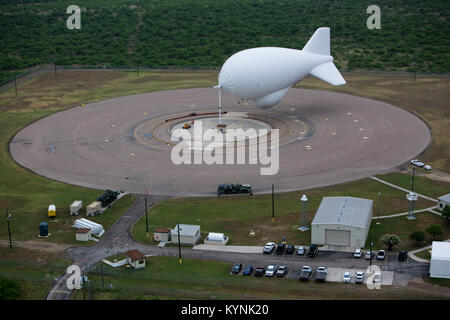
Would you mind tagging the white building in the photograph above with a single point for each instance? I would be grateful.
(189, 234)
(440, 260)
(83, 234)
(161, 234)
(444, 201)
(135, 258)
(342, 221)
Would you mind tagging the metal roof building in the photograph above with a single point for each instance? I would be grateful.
(440, 260)
(189, 234)
(444, 201)
(342, 221)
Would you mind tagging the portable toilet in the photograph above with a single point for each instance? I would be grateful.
(52, 211)
(43, 229)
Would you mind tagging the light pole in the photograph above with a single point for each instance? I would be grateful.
(146, 218)
(115, 252)
(273, 203)
(371, 253)
(8, 217)
(179, 243)
(304, 201)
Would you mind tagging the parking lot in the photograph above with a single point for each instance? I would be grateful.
(339, 262)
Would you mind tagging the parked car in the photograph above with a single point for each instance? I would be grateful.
(269, 247)
(236, 268)
(359, 277)
(301, 250)
(281, 248)
(247, 271)
(347, 277)
(305, 273)
(377, 277)
(290, 249)
(369, 255)
(259, 271)
(321, 274)
(427, 167)
(313, 250)
(381, 255)
(270, 271)
(357, 253)
(281, 271)
(417, 163)
(402, 255)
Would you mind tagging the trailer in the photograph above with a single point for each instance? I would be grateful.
(93, 208)
(75, 207)
(51, 211)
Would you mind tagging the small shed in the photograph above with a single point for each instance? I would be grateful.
(342, 221)
(218, 239)
(444, 201)
(440, 260)
(189, 234)
(161, 234)
(83, 234)
(135, 258)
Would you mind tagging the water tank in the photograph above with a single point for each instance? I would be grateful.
(43, 229)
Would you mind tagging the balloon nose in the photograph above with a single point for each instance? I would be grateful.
(226, 80)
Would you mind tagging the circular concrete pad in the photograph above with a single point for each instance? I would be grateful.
(325, 138)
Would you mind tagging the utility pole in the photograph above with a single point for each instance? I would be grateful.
(412, 180)
(273, 203)
(146, 218)
(15, 83)
(103, 279)
(137, 70)
(414, 66)
(8, 217)
(371, 253)
(54, 62)
(304, 201)
(179, 243)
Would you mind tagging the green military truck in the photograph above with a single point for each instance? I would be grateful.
(234, 188)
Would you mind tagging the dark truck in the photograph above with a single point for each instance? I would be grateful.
(321, 274)
(108, 197)
(234, 188)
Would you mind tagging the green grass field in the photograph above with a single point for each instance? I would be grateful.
(165, 278)
(237, 215)
(33, 270)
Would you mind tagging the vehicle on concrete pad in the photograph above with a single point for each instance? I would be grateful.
(347, 277)
(259, 271)
(359, 277)
(234, 188)
(290, 249)
(427, 167)
(247, 271)
(270, 271)
(281, 248)
(269, 247)
(305, 273)
(417, 163)
(301, 250)
(357, 254)
(402, 255)
(236, 268)
(381, 255)
(281, 271)
(368, 255)
(313, 250)
(377, 277)
(321, 274)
